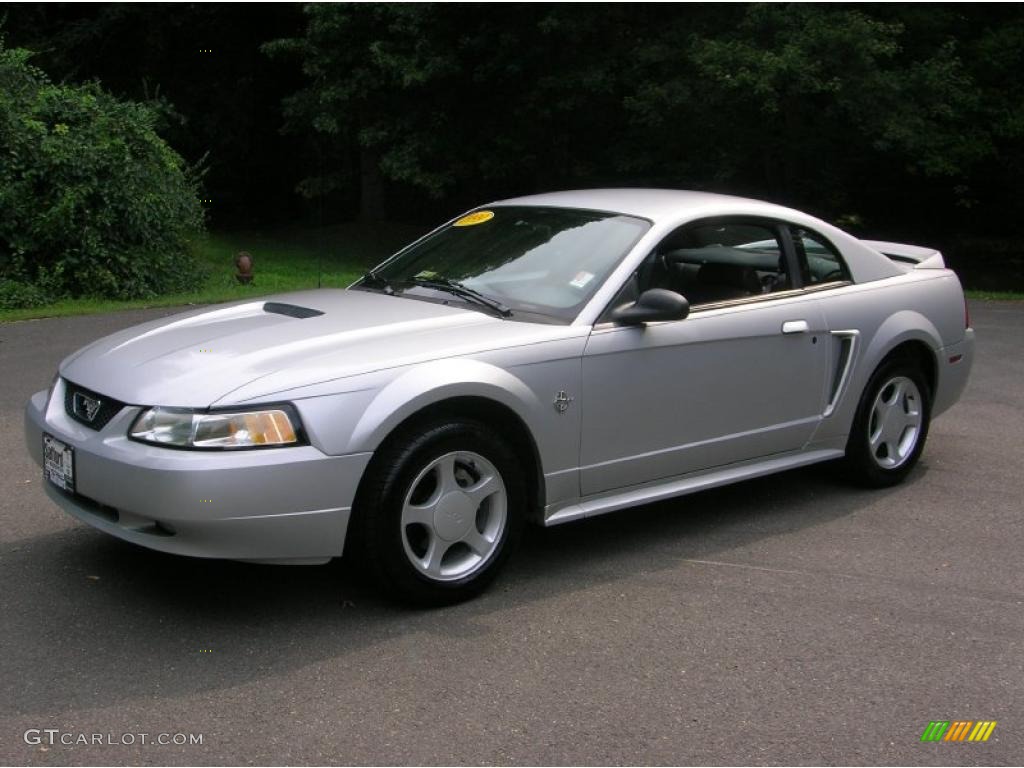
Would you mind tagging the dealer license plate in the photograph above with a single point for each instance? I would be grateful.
(58, 463)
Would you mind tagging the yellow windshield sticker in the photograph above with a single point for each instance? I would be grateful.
(474, 218)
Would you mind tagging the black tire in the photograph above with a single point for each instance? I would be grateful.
(862, 464)
(378, 544)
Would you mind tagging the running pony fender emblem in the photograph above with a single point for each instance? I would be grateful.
(562, 401)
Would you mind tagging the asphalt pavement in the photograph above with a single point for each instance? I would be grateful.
(790, 619)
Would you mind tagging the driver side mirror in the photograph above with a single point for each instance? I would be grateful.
(653, 305)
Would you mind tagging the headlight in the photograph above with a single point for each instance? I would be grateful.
(176, 427)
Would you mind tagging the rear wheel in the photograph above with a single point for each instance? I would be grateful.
(891, 425)
(439, 512)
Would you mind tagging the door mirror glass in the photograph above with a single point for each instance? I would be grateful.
(653, 305)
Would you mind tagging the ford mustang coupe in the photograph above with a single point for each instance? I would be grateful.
(545, 359)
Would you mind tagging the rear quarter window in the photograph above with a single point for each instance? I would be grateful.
(820, 261)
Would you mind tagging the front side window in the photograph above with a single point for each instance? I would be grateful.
(545, 262)
(713, 262)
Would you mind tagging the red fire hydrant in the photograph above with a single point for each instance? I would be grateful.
(243, 261)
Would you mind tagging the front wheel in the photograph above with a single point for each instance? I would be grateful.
(891, 425)
(440, 512)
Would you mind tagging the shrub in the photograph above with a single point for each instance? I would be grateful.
(15, 295)
(92, 201)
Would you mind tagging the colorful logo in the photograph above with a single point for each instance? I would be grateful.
(958, 730)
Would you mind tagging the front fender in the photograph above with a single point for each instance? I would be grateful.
(433, 382)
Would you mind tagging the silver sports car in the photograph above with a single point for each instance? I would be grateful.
(542, 359)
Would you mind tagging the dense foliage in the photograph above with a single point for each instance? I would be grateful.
(904, 121)
(92, 200)
(801, 103)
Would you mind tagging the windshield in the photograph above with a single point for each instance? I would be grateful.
(540, 261)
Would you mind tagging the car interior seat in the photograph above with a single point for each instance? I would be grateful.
(723, 282)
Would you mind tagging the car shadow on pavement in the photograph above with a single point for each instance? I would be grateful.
(90, 621)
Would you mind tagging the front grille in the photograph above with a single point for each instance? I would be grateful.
(108, 406)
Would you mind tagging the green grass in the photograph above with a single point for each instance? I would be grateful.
(995, 295)
(283, 260)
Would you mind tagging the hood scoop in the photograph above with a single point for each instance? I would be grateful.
(290, 310)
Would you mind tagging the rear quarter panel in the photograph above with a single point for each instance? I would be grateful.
(921, 305)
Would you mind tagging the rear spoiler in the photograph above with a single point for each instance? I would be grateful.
(911, 256)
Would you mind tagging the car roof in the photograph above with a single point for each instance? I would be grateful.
(658, 205)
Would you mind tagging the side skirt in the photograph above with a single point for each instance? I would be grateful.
(680, 486)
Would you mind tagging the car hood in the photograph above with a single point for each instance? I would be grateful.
(197, 358)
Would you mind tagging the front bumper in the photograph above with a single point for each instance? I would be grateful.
(282, 504)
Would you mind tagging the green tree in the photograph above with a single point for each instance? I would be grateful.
(92, 200)
(444, 98)
(806, 100)
(795, 102)
(368, 68)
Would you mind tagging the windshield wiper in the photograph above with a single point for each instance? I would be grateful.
(381, 282)
(463, 292)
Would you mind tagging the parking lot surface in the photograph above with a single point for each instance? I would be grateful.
(790, 619)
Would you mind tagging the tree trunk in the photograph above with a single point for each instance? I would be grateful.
(371, 186)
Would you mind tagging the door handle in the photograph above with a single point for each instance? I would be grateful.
(795, 326)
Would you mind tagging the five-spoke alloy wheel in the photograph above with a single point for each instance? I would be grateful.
(895, 422)
(891, 424)
(454, 515)
(440, 510)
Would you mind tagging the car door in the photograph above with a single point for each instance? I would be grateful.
(742, 376)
